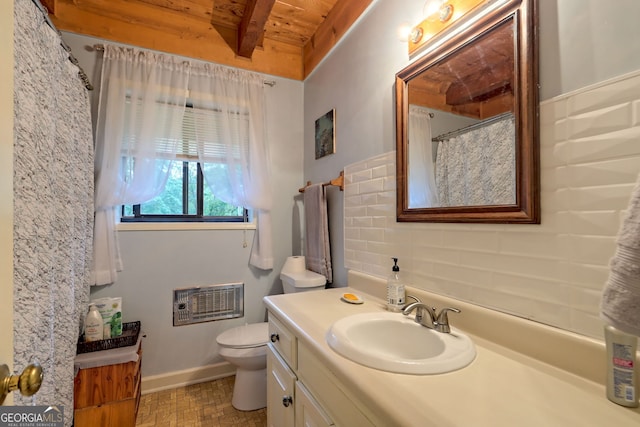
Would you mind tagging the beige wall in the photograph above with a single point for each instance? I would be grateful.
(6, 184)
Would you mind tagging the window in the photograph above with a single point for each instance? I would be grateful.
(186, 197)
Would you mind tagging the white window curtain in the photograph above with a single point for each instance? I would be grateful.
(422, 184)
(141, 121)
(232, 145)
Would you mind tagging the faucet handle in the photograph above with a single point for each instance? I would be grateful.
(443, 319)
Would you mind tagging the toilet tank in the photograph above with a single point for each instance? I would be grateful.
(302, 281)
(296, 278)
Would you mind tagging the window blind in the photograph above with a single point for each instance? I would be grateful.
(201, 131)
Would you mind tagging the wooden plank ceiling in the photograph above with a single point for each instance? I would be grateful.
(286, 38)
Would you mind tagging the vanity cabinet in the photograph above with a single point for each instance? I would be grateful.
(301, 391)
(280, 391)
(308, 410)
(109, 395)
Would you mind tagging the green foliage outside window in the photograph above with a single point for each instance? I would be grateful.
(172, 203)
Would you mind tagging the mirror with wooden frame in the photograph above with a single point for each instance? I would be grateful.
(467, 123)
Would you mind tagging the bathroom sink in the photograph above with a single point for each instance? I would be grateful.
(395, 343)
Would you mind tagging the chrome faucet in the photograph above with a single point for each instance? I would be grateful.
(426, 316)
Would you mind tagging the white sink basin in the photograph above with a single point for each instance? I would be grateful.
(396, 343)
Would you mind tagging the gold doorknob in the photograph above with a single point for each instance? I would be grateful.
(28, 382)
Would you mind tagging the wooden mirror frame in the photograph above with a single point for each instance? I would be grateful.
(526, 209)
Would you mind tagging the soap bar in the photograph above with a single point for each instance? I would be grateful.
(351, 298)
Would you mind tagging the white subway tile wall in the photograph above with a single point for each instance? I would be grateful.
(553, 272)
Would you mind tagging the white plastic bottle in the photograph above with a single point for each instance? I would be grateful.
(622, 387)
(93, 325)
(395, 289)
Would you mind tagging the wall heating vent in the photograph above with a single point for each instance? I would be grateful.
(207, 303)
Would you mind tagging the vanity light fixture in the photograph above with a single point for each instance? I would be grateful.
(446, 12)
(416, 35)
(440, 15)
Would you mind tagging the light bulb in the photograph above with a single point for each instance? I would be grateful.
(403, 31)
(431, 6)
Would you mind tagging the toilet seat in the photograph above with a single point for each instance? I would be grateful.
(245, 336)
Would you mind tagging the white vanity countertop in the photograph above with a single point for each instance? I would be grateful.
(499, 388)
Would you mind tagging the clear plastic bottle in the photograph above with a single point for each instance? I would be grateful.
(395, 289)
(622, 385)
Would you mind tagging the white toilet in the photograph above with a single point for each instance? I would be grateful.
(296, 278)
(245, 346)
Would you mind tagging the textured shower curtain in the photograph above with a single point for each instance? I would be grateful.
(478, 167)
(53, 206)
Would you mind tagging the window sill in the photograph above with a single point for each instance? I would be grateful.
(179, 226)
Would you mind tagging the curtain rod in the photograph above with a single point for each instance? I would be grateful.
(83, 76)
(474, 126)
(100, 48)
(421, 110)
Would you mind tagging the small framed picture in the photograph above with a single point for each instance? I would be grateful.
(326, 134)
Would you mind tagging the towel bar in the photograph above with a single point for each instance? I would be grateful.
(338, 182)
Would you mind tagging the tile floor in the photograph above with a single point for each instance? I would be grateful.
(199, 405)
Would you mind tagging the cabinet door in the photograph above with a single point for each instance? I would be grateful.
(308, 410)
(284, 341)
(280, 391)
(344, 410)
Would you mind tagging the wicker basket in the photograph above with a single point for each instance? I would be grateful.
(130, 332)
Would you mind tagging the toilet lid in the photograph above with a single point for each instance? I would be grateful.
(305, 279)
(251, 335)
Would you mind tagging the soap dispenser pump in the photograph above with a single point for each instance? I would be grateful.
(395, 289)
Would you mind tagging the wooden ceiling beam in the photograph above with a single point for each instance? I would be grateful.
(251, 28)
(143, 25)
(188, 28)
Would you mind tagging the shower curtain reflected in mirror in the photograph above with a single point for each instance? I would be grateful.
(478, 167)
(422, 183)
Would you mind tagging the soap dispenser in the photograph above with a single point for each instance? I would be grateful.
(395, 289)
(93, 325)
